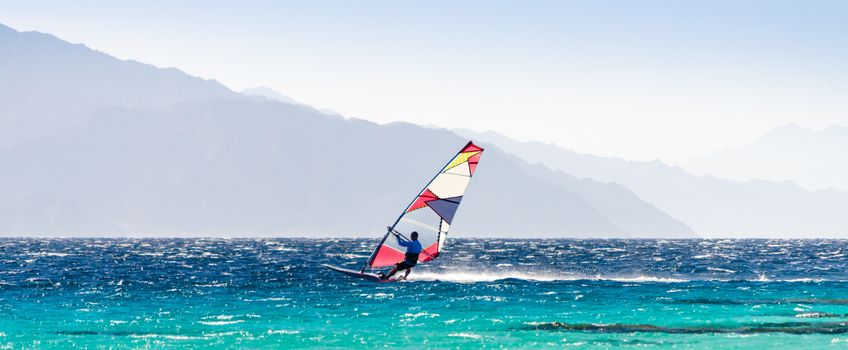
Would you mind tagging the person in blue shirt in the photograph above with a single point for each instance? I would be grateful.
(413, 249)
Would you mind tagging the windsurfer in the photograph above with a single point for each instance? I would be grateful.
(413, 249)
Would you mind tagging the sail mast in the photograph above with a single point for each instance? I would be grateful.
(446, 205)
(389, 230)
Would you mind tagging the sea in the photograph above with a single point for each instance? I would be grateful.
(481, 293)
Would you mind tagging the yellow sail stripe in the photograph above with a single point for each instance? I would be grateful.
(460, 158)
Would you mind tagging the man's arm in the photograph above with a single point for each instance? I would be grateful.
(401, 242)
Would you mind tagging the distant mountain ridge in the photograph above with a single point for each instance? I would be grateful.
(710, 205)
(268, 93)
(261, 93)
(64, 83)
(191, 157)
(812, 159)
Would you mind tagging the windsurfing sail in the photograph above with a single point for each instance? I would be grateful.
(431, 212)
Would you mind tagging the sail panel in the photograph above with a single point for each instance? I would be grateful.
(446, 208)
(431, 212)
(449, 185)
(387, 255)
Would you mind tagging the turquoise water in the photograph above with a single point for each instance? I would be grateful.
(269, 293)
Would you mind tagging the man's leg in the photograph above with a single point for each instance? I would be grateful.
(407, 273)
(392, 272)
(399, 267)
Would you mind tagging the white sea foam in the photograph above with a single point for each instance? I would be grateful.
(52, 254)
(220, 323)
(477, 277)
(378, 295)
(815, 315)
(219, 317)
(274, 299)
(423, 314)
(219, 334)
(646, 279)
(803, 280)
(465, 335)
(163, 336)
(346, 256)
(471, 277)
(718, 269)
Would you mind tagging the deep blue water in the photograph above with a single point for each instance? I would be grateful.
(271, 293)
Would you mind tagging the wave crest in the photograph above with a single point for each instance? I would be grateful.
(492, 276)
(473, 277)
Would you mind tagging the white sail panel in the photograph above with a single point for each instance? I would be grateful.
(449, 185)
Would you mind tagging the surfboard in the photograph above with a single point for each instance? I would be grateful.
(358, 274)
(430, 213)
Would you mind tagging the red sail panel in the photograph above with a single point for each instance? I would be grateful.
(429, 253)
(471, 147)
(387, 256)
(422, 200)
(472, 162)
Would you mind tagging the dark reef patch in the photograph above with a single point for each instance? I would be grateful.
(786, 327)
(820, 301)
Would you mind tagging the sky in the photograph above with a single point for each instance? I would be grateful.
(641, 80)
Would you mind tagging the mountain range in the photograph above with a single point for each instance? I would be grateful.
(93, 145)
(50, 86)
(711, 206)
(812, 159)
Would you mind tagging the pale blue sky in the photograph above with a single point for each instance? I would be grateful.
(638, 79)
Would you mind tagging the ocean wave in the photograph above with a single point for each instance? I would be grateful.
(820, 301)
(346, 255)
(818, 315)
(139, 335)
(220, 323)
(164, 336)
(718, 269)
(473, 277)
(465, 335)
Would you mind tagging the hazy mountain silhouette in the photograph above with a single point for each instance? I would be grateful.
(711, 206)
(49, 85)
(241, 167)
(268, 93)
(812, 159)
(265, 93)
(199, 159)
